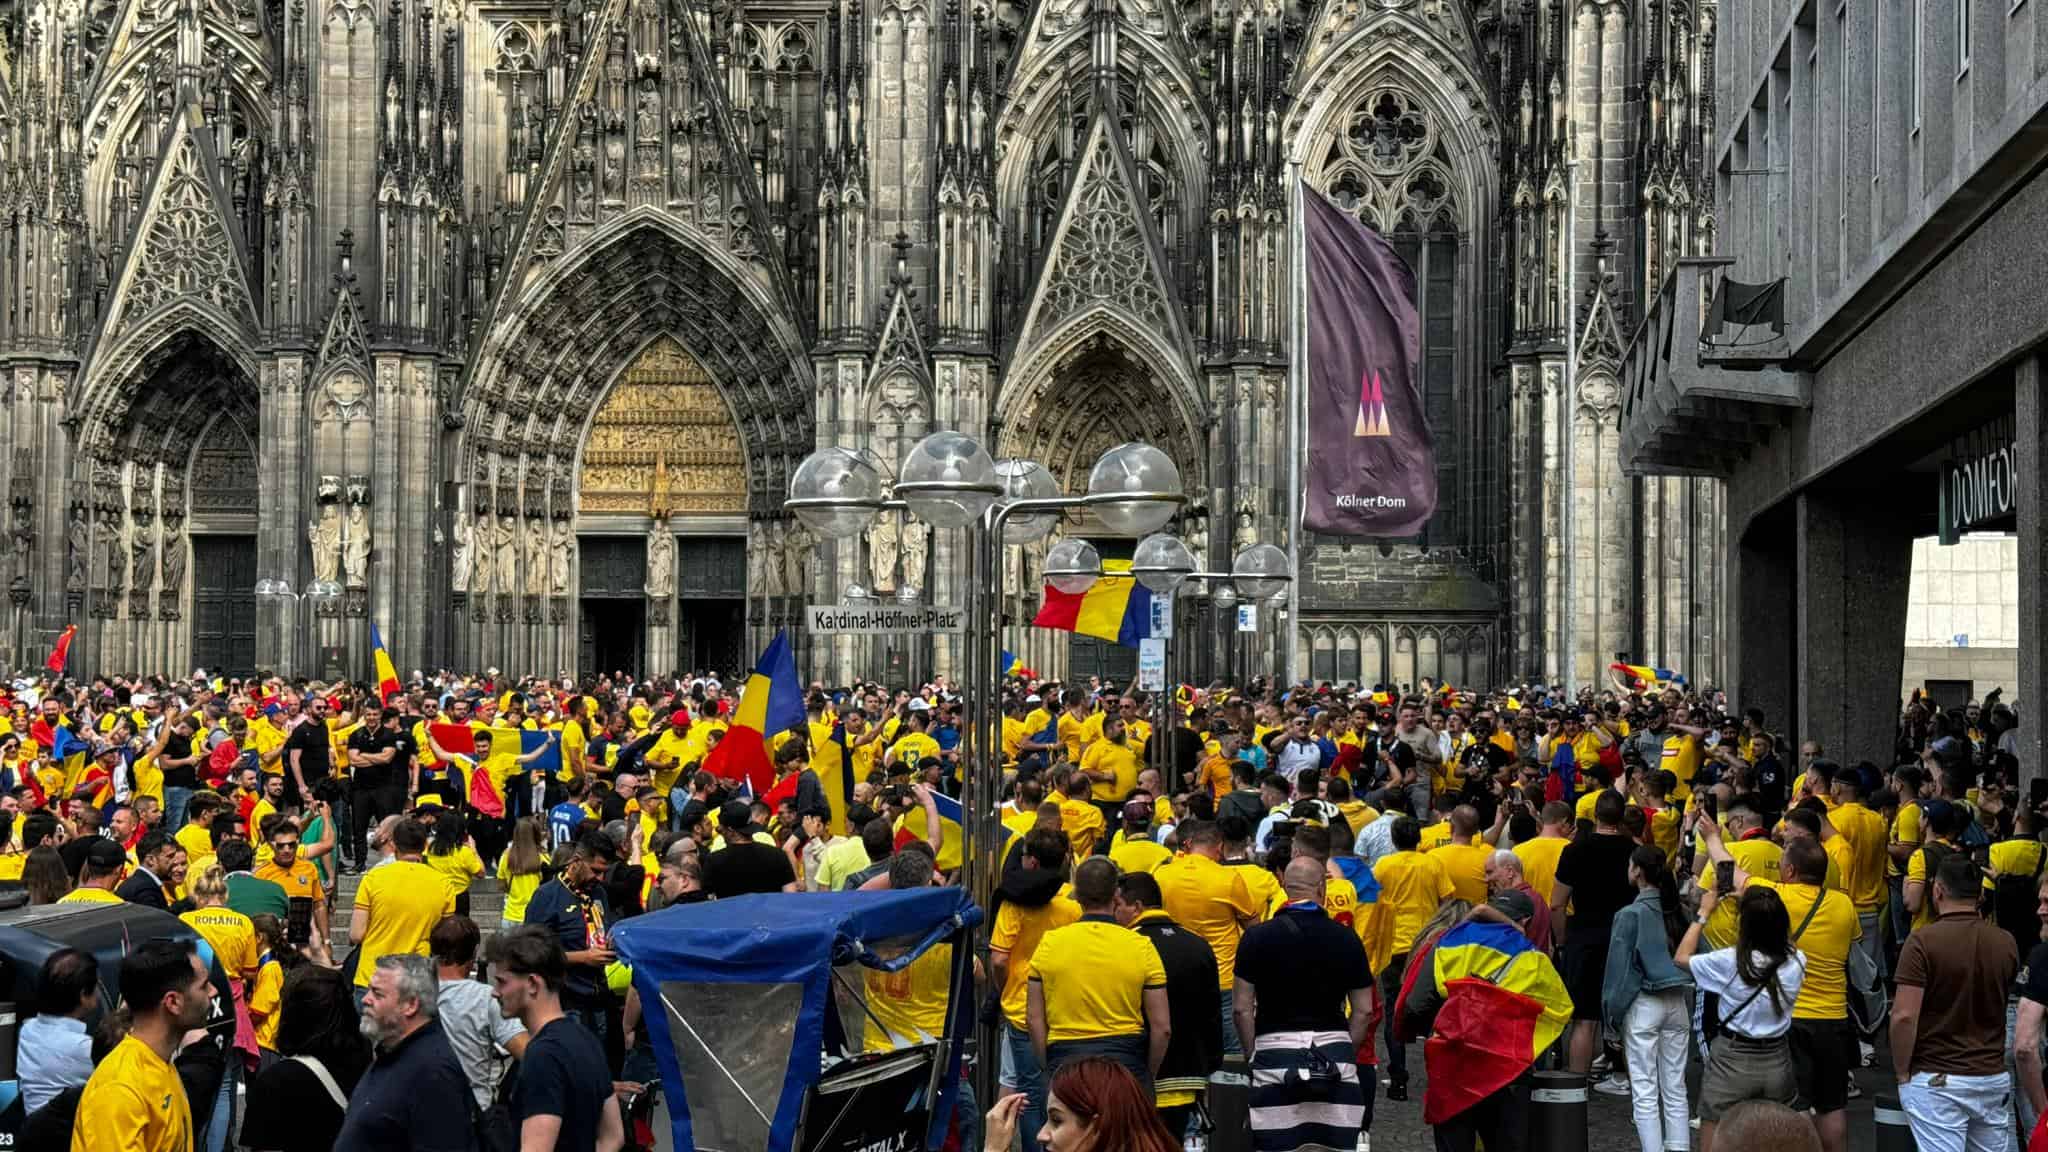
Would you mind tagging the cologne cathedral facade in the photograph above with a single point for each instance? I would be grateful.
(500, 325)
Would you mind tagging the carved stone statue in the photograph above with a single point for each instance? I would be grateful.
(508, 555)
(757, 553)
(1198, 539)
(461, 559)
(141, 557)
(480, 555)
(174, 558)
(917, 542)
(797, 543)
(325, 533)
(77, 550)
(661, 562)
(114, 558)
(884, 540)
(22, 542)
(560, 551)
(771, 559)
(356, 553)
(536, 558)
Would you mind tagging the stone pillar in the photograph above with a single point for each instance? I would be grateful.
(1761, 648)
(281, 513)
(2030, 411)
(1853, 560)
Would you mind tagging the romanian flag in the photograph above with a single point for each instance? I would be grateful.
(486, 790)
(832, 761)
(1651, 677)
(61, 654)
(1503, 1006)
(1115, 608)
(1373, 920)
(1015, 667)
(771, 703)
(911, 826)
(387, 676)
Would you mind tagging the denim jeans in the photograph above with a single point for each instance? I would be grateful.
(1231, 1045)
(678, 796)
(176, 802)
(1030, 1080)
(1390, 993)
(223, 1118)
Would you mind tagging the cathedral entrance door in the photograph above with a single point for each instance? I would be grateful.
(613, 630)
(224, 603)
(714, 637)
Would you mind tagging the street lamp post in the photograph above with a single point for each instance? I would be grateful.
(277, 589)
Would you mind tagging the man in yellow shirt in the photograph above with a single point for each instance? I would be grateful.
(1073, 725)
(398, 903)
(1945, 822)
(1079, 817)
(916, 746)
(1412, 885)
(1869, 843)
(1033, 905)
(1135, 850)
(1112, 766)
(1539, 856)
(1750, 845)
(1096, 988)
(1463, 860)
(1210, 900)
(105, 864)
(134, 1101)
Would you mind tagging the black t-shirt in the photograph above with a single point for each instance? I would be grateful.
(2033, 979)
(738, 869)
(316, 755)
(1303, 965)
(182, 775)
(288, 1110)
(563, 1073)
(1596, 867)
(371, 742)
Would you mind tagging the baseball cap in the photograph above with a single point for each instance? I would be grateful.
(1514, 904)
(680, 718)
(104, 854)
(917, 704)
(1138, 812)
(735, 814)
(1034, 698)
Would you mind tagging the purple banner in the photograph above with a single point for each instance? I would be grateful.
(1371, 468)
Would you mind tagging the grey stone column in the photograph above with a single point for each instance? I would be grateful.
(1853, 563)
(388, 561)
(1761, 647)
(2030, 409)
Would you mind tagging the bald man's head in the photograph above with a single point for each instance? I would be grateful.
(1767, 1126)
(1303, 879)
(1464, 820)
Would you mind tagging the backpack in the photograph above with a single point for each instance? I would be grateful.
(2014, 899)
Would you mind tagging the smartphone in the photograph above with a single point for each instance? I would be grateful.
(1710, 804)
(1724, 877)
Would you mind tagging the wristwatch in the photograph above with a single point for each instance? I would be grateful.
(1700, 919)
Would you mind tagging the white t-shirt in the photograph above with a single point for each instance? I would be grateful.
(1744, 1009)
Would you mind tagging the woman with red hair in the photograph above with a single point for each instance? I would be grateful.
(1093, 1105)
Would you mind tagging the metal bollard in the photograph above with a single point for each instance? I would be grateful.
(1557, 1111)
(1894, 1134)
(1230, 1106)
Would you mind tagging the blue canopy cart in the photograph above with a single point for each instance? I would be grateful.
(764, 1000)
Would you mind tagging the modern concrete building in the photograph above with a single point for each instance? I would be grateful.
(1868, 371)
(1962, 618)
(509, 319)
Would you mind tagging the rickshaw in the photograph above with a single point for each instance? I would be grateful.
(764, 999)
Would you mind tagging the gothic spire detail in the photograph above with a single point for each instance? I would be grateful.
(185, 248)
(347, 340)
(1105, 252)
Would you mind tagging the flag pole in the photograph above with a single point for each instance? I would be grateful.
(1297, 405)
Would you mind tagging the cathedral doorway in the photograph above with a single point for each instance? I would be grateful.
(1094, 399)
(224, 603)
(611, 636)
(613, 608)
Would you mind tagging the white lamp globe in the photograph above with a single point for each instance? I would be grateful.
(1027, 480)
(1161, 561)
(1134, 471)
(835, 493)
(948, 480)
(1073, 566)
(1260, 571)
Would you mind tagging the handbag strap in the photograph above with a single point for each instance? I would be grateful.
(1819, 895)
(320, 1073)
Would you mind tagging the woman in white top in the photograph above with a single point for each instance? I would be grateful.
(1757, 981)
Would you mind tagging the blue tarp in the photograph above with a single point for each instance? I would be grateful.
(792, 939)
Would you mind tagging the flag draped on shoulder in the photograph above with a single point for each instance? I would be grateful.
(1651, 676)
(1115, 608)
(1371, 467)
(387, 674)
(1503, 1005)
(771, 702)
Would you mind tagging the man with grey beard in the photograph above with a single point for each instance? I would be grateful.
(402, 1103)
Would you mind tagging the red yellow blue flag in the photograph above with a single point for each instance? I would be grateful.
(772, 702)
(1115, 608)
(387, 675)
